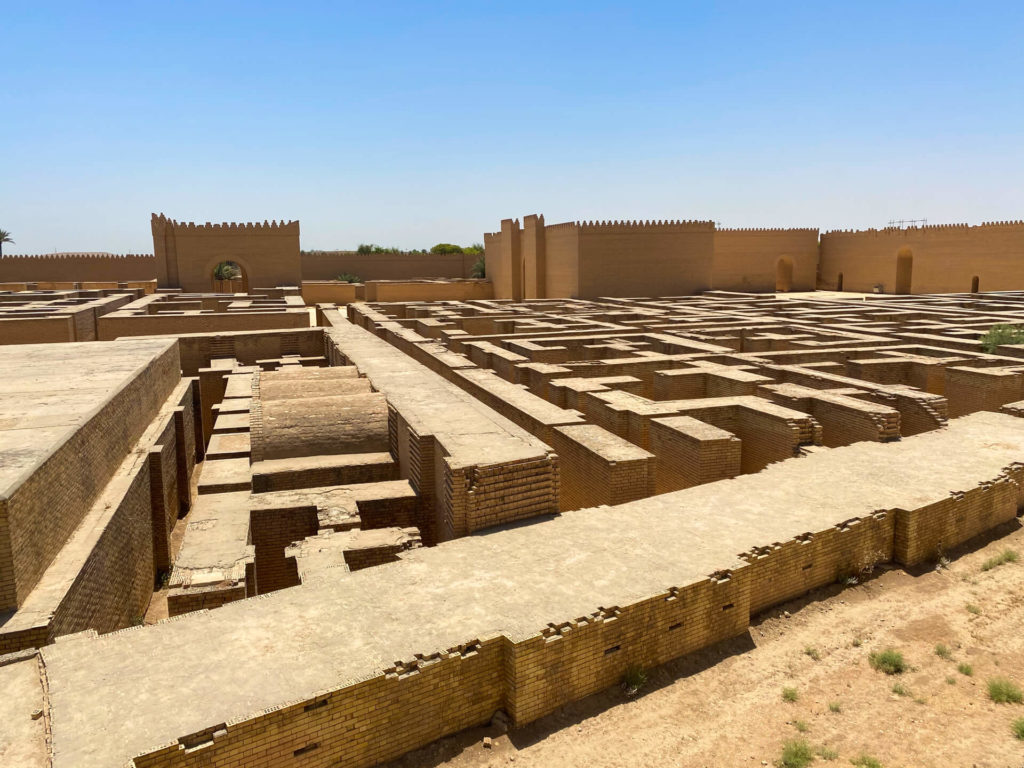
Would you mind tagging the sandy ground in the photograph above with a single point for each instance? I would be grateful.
(724, 706)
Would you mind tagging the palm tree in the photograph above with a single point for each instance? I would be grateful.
(5, 237)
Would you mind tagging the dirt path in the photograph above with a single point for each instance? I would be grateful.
(724, 706)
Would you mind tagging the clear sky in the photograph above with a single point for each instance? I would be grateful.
(411, 123)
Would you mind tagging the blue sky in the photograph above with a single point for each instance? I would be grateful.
(411, 123)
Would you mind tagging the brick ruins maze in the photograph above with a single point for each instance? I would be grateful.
(380, 530)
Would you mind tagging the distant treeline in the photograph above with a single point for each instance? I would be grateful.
(439, 248)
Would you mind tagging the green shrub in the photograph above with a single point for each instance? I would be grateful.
(801, 726)
(1006, 556)
(942, 651)
(1002, 333)
(1004, 691)
(835, 707)
(1017, 726)
(796, 753)
(972, 608)
(889, 661)
(634, 679)
(226, 270)
(790, 695)
(900, 690)
(348, 277)
(866, 761)
(965, 669)
(811, 651)
(827, 754)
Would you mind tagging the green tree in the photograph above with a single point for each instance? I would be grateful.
(5, 237)
(226, 270)
(446, 248)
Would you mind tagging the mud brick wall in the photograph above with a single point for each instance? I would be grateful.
(595, 468)
(271, 531)
(37, 330)
(981, 389)
(290, 474)
(163, 488)
(416, 702)
(577, 658)
(415, 456)
(390, 512)
(45, 510)
(113, 587)
(919, 411)
(923, 534)
(782, 571)
(690, 452)
(124, 323)
(197, 350)
(185, 418)
(23, 639)
(361, 725)
(193, 599)
(843, 424)
(610, 416)
(482, 496)
(844, 420)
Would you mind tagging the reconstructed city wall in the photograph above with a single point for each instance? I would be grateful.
(77, 267)
(645, 258)
(929, 259)
(327, 265)
(422, 290)
(765, 260)
(591, 259)
(187, 253)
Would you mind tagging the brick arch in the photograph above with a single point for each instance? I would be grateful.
(241, 262)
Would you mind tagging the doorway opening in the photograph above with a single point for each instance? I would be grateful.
(229, 277)
(904, 270)
(784, 274)
(839, 282)
(974, 284)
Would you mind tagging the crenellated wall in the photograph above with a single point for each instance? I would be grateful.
(187, 253)
(77, 267)
(765, 260)
(599, 258)
(935, 259)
